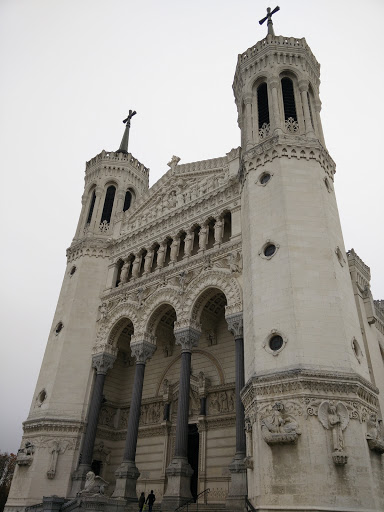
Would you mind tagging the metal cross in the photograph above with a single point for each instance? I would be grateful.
(269, 18)
(129, 117)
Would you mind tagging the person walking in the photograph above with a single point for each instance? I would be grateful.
(150, 500)
(141, 502)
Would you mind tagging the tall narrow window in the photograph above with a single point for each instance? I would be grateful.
(91, 208)
(227, 232)
(127, 201)
(310, 108)
(262, 105)
(288, 99)
(108, 204)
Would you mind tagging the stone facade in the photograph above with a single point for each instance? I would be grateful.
(212, 331)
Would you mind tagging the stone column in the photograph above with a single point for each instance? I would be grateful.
(248, 120)
(95, 220)
(127, 474)
(303, 87)
(80, 224)
(179, 471)
(102, 362)
(274, 108)
(318, 120)
(238, 486)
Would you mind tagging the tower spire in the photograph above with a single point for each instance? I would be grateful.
(269, 18)
(124, 141)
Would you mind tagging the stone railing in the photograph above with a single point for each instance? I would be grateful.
(109, 157)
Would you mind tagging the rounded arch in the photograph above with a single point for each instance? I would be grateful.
(123, 323)
(289, 72)
(200, 288)
(115, 321)
(161, 297)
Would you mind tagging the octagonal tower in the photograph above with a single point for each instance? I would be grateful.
(309, 391)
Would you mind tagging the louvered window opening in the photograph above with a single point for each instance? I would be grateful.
(127, 201)
(91, 208)
(288, 99)
(262, 104)
(108, 204)
(310, 108)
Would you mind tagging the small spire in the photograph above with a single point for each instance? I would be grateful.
(269, 18)
(124, 141)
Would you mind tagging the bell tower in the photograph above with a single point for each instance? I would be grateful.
(60, 406)
(308, 384)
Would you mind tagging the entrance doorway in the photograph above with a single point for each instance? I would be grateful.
(193, 456)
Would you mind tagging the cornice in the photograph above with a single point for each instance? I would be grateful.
(286, 146)
(89, 246)
(53, 425)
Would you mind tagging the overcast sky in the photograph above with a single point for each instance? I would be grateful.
(71, 70)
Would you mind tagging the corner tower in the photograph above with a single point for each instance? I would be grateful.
(308, 392)
(54, 430)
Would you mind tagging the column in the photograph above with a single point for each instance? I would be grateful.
(102, 362)
(303, 87)
(127, 474)
(238, 486)
(179, 471)
(80, 224)
(95, 220)
(274, 111)
(318, 120)
(248, 120)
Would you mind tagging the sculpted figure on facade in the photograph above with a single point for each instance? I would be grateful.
(161, 255)
(148, 262)
(25, 455)
(188, 242)
(56, 448)
(335, 417)
(375, 433)
(94, 486)
(124, 273)
(278, 427)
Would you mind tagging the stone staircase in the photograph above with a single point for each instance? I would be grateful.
(197, 507)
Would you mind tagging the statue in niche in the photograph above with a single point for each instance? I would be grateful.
(375, 434)
(103, 308)
(223, 401)
(335, 418)
(278, 427)
(188, 244)
(94, 485)
(211, 337)
(124, 273)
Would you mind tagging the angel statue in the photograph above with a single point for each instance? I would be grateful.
(94, 485)
(336, 418)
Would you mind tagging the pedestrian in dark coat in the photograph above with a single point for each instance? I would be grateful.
(141, 502)
(150, 500)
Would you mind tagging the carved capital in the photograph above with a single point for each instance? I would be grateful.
(99, 191)
(103, 362)
(187, 338)
(142, 351)
(274, 82)
(247, 98)
(235, 325)
(303, 85)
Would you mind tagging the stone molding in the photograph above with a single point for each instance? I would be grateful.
(289, 146)
(187, 338)
(53, 425)
(235, 325)
(88, 246)
(142, 351)
(103, 362)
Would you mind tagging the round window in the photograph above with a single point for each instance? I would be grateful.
(41, 396)
(270, 250)
(265, 178)
(276, 342)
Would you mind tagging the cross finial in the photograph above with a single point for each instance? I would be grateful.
(269, 18)
(124, 141)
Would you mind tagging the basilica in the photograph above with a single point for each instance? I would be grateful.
(213, 340)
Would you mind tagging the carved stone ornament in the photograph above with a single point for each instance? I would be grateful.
(94, 485)
(142, 351)
(25, 455)
(103, 362)
(235, 325)
(278, 427)
(375, 434)
(335, 417)
(187, 338)
(56, 448)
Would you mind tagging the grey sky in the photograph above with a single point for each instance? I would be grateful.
(70, 71)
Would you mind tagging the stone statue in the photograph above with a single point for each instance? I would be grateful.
(161, 256)
(278, 427)
(188, 244)
(124, 273)
(336, 418)
(173, 163)
(94, 485)
(375, 434)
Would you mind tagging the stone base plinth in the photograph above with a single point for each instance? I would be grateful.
(178, 491)
(127, 476)
(238, 489)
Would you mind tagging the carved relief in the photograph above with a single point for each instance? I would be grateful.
(56, 447)
(279, 427)
(25, 455)
(375, 434)
(221, 402)
(335, 417)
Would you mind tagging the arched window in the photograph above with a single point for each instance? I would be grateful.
(211, 234)
(227, 231)
(127, 200)
(195, 247)
(181, 253)
(108, 204)
(262, 105)
(288, 99)
(167, 258)
(91, 207)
